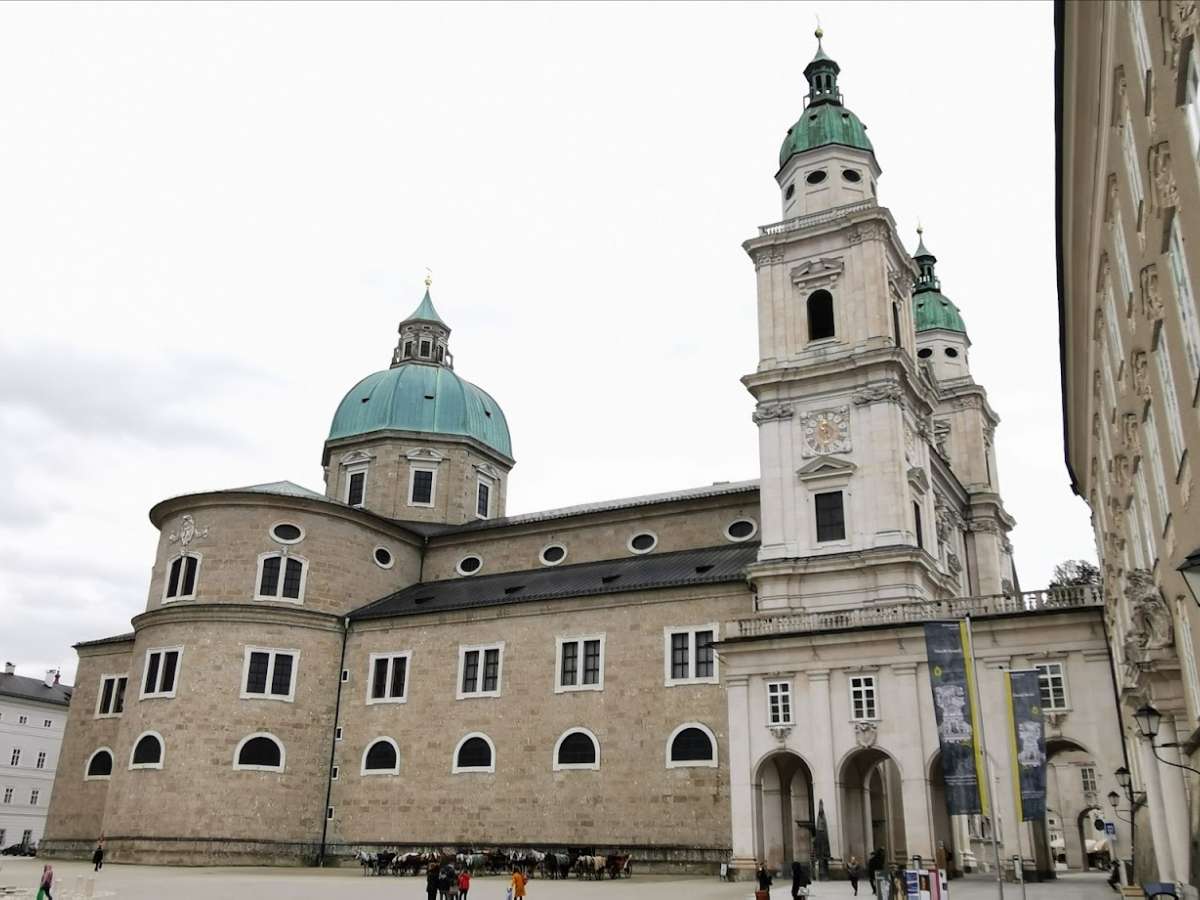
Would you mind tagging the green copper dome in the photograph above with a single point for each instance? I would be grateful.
(822, 125)
(421, 397)
(932, 309)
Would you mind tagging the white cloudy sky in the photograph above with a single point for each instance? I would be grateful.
(213, 216)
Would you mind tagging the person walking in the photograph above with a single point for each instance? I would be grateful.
(854, 872)
(98, 856)
(45, 884)
(764, 879)
(800, 880)
(431, 882)
(464, 884)
(517, 885)
(445, 879)
(874, 864)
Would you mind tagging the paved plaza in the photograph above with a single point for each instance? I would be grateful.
(157, 882)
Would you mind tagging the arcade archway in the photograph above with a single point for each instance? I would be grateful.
(783, 798)
(872, 806)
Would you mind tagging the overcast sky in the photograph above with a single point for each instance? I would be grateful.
(212, 218)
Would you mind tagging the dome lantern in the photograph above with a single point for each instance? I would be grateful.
(424, 337)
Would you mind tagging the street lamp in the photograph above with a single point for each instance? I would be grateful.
(1114, 799)
(1148, 719)
(1190, 570)
(1123, 778)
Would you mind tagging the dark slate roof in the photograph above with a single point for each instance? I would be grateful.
(34, 689)
(711, 565)
(115, 639)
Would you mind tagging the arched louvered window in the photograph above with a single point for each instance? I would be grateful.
(820, 315)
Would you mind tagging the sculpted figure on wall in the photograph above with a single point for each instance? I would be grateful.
(768, 411)
(1152, 308)
(1183, 18)
(1150, 618)
(1165, 194)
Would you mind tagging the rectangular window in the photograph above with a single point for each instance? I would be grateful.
(112, 695)
(420, 487)
(389, 677)
(1088, 775)
(408, 345)
(863, 706)
(47, 723)
(779, 702)
(281, 577)
(1133, 170)
(159, 676)
(33, 797)
(483, 499)
(580, 663)
(1147, 528)
(356, 486)
(26, 837)
(831, 517)
(1150, 436)
(15, 759)
(917, 526)
(479, 670)
(8, 792)
(689, 655)
(269, 674)
(292, 571)
(1121, 251)
(21, 720)
(1189, 327)
(1170, 400)
(425, 349)
(1141, 43)
(41, 760)
(268, 585)
(1053, 684)
(1114, 349)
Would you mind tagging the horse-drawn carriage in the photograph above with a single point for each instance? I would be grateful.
(496, 861)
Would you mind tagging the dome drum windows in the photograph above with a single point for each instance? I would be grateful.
(281, 576)
(382, 757)
(816, 177)
(474, 753)
(422, 486)
(356, 486)
(853, 176)
(99, 765)
(576, 748)
(819, 307)
(147, 751)
(259, 752)
(692, 745)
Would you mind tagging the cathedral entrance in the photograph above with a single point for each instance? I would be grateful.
(872, 806)
(783, 797)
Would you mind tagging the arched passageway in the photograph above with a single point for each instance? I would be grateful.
(948, 831)
(872, 806)
(1071, 790)
(783, 797)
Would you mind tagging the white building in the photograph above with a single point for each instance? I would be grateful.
(33, 715)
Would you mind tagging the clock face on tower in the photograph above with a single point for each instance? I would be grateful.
(826, 431)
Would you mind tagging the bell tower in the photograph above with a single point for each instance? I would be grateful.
(847, 505)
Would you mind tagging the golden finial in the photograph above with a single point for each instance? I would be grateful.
(920, 230)
(819, 33)
(428, 276)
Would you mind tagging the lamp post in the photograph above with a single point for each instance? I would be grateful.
(1148, 720)
(1190, 570)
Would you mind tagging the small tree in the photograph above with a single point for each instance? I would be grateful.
(1074, 572)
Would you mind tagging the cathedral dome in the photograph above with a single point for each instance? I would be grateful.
(822, 125)
(932, 309)
(417, 396)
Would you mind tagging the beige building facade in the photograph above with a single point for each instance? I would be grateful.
(694, 677)
(1129, 227)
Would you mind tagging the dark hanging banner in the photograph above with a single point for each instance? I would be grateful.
(954, 703)
(1027, 743)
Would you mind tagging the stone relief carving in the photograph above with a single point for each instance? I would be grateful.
(1098, 325)
(984, 526)
(1130, 436)
(1120, 471)
(865, 733)
(1007, 587)
(881, 392)
(1096, 385)
(910, 443)
(822, 270)
(1096, 425)
(1141, 374)
(768, 256)
(953, 562)
(1152, 307)
(825, 431)
(1007, 545)
(1183, 18)
(1165, 193)
(769, 411)
(1116, 513)
(941, 437)
(780, 732)
(868, 231)
(187, 532)
(1149, 615)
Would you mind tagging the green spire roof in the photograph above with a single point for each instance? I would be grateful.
(931, 308)
(425, 312)
(825, 120)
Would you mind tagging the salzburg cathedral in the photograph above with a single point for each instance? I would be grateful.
(702, 677)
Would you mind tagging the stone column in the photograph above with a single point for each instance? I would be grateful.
(1174, 797)
(918, 829)
(741, 787)
(825, 776)
(1163, 857)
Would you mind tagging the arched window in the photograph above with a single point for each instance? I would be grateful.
(692, 744)
(260, 752)
(820, 315)
(577, 749)
(381, 758)
(147, 751)
(99, 765)
(281, 577)
(475, 753)
(181, 577)
(896, 324)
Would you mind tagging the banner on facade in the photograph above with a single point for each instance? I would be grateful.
(952, 676)
(1027, 743)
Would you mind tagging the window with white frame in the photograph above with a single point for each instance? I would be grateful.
(1133, 170)
(21, 720)
(99, 764)
(474, 753)
(1191, 102)
(111, 699)
(1122, 254)
(692, 745)
(8, 792)
(1150, 436)
(483, 498)
(576, 748)
(1087, 775)
(46, 723)
(356, 485)
(863, 703)
(779, 703)
(181, 577)
(15, 759)
(147, 751)
(161, 672)
(1189, 327)
(690, 658)
(40, 762)
(269, 674)
(1115, 345)
(1147, 519)
(1052, 681)
(388, 681)
(382, 757)
(422, 485)
(33, 797)
(259, 752)
(1141, 43)
(281, 577)
(1170, 400)
(580, 663)
(479, 670)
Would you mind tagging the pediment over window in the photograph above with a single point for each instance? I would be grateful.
(424, 454)
(487, 469)
(357, 457)
(826, 467)
(821, 269)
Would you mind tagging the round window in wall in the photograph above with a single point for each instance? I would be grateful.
(951, 352)
(553, 554)
(852, 175)
(741, 529)
(287, 533)
(469, 565)
(383, 557)
(815, 177)
(925, 353)
(643, 542)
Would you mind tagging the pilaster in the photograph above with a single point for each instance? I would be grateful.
(918, 826)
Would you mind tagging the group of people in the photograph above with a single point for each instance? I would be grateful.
(443, 882)
(801, 877)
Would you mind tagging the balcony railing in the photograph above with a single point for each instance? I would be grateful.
(914, 611)
(818, 218)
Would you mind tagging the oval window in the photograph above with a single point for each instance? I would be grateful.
(383, 557)
(643, 542)
(951, 352)
(852, 175)
(815, 177)
(924, 353)
(469, 565)
(791, 189)
(741, 530)
(287, 533)
(553, 555)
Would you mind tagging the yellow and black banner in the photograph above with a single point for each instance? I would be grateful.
(1027, 742)
(952, 676)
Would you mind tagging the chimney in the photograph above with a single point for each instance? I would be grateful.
(48, 681)
(56, 675)
(10, 669)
